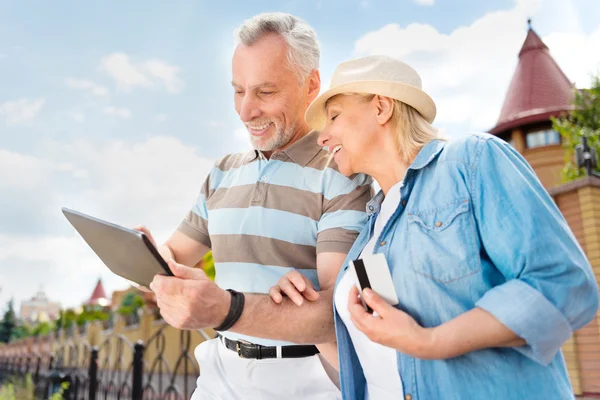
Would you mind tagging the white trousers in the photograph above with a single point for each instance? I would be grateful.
(225, 376)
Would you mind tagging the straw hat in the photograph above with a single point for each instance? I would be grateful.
(380, 75)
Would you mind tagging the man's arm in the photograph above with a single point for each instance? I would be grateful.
(310, 323)
(189, 300)
(184, 249)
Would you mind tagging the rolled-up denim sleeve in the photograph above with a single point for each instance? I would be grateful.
(549, 289)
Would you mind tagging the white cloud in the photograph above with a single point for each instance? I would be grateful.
(70, 264)
(243, 136)
(241, 133)
(149, 73)
(67, 252)
(161, 117)
(576, 54)
(92, 87)
(216, 124)
(118, 112)
(77, 116)
(20, 170)
(154, 182)
(425, 2)
(120, 68)
(467, 71)
(22, 110)
(166, 73)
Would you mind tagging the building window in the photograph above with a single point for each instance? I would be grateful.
(546, 137)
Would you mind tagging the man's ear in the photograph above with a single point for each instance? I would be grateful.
(385, 108)
(314, 85)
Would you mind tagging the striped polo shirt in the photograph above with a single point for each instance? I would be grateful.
(264, 217)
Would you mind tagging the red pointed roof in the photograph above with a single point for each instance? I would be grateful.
(539, 88)
(98, 293)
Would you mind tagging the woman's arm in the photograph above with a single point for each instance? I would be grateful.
(549, 289)
(474, 330)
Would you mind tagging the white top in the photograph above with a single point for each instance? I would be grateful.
(378, 362)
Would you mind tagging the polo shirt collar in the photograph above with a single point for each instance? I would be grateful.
(301, 152)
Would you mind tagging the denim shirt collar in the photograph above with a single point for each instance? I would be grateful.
(374, 204)
(425, 156)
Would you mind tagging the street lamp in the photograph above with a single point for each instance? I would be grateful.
(586, 156)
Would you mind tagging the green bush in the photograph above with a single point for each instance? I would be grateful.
(17, 389)
(60, 394)
(130, 304)
(24, 389)
(584, 120)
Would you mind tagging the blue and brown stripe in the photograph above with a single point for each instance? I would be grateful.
(263, 217)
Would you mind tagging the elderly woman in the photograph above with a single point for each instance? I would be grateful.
(490, 280)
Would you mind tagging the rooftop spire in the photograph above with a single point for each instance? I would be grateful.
(98, 295)
(539, 88)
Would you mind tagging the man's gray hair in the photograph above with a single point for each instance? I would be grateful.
(303, 47)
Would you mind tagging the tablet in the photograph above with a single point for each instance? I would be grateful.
(126, 252)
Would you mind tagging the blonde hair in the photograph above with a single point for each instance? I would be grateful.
(411, 129)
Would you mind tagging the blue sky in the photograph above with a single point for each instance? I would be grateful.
(120, 108)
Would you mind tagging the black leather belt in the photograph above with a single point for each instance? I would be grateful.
(256, 351)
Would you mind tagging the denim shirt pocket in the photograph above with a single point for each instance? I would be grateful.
(442, 241)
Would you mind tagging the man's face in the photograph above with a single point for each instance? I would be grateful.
(268, 96)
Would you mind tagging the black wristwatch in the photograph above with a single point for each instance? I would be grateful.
(235, 310)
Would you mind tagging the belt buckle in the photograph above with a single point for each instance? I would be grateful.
(238, 347)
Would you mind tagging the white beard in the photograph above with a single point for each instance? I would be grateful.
(278, 140)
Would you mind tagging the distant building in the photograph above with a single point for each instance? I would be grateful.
(98, 297)
(539, 89)
(39, 309)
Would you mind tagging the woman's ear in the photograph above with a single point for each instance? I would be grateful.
(385, 108)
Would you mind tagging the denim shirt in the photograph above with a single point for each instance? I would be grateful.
(475, 228)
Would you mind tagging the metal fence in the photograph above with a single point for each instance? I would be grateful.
(115, 369)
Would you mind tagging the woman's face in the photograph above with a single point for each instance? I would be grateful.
(351, 127)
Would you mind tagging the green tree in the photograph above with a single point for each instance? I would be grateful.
(43, 328)
(91, 313)
(8, 324)
(22, 330)
(584, 120)
(66, 318)
(69, 317)
(130, 304)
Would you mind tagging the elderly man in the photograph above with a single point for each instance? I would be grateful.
(264, 212)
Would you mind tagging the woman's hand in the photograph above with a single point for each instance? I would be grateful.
(392, 327)
(470, 331)
(295, 286)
